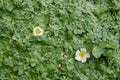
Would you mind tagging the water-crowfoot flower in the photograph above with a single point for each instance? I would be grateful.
(38, 31)
(82, 55)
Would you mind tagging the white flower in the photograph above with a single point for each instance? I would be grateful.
(82, 55)
(38, 31)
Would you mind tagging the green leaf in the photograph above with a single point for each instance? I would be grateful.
(97, 51)
(108, 53)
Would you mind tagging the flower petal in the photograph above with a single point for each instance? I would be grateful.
(41, 32)
(77, 53)
(78, 58)
(83, 60)
(83, 49)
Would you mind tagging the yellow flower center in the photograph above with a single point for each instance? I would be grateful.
(37, 31)
(82, 54)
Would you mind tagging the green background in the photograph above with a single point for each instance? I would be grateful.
(68, 26)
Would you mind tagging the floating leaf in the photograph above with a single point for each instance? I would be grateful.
(97, 51)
